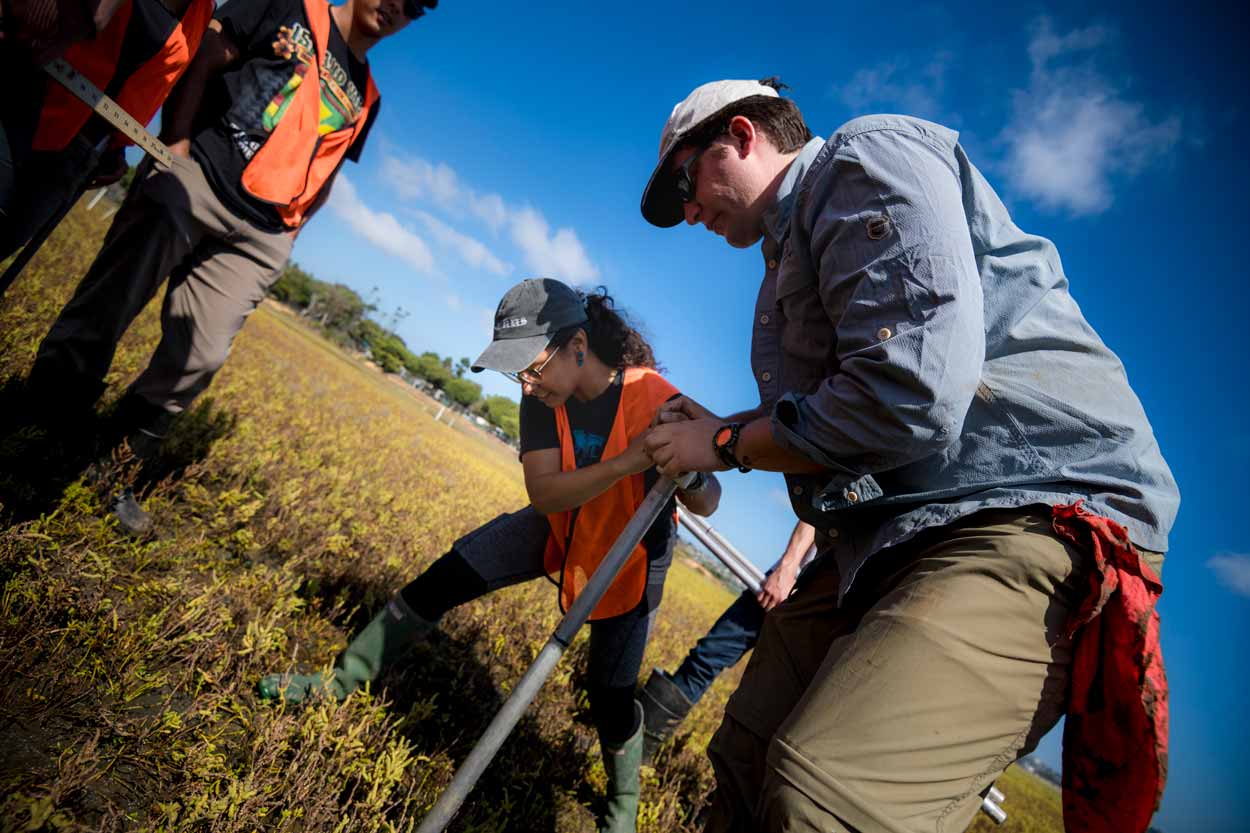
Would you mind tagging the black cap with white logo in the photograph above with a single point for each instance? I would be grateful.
(528, 318)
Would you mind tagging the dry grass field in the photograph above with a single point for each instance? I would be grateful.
(301, 492)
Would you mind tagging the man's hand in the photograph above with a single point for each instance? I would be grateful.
(776, 588)
(182, 148)
(681, 409)
(684, 446)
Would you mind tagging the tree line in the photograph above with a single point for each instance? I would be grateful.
(346, 318)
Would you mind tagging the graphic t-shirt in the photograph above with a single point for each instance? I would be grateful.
(243, 105)
(591, 423)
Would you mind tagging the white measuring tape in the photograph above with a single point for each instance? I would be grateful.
(109, 110)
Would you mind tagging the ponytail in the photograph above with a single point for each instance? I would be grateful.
(610, 334)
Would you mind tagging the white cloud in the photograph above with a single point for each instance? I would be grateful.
(472, 252)
(454, 302)
(559, 254)
(780, 498)
(1072, 130)
(379, 227)
(900, 86)
(1233, 571)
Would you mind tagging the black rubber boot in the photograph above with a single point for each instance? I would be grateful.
(664, 707)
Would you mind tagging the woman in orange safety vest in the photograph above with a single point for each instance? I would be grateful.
(590, 391)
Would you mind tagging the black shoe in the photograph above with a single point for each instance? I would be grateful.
(664, 707)
(130, 516)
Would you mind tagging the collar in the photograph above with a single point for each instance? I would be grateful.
(777, 217)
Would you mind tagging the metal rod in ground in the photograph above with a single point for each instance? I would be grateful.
(507, 717)
(743, 570)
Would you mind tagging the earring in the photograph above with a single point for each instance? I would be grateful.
(581, 358)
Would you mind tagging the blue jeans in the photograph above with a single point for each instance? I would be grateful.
(735, 632)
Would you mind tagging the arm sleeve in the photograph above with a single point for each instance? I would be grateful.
(249, 23)
(538, 426)
(889, 242)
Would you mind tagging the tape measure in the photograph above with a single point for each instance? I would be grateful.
(108, 109)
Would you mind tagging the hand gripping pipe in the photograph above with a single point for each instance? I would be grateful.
(506, 718)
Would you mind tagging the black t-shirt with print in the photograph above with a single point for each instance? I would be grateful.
(591, 423)
(243, 105)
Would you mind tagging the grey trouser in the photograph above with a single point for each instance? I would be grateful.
(894, 710)
(219, 268)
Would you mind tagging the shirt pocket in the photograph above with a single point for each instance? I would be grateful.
(808, 338)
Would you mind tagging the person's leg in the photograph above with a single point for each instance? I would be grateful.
(616, 649)
(45, 185)
(666, 698)
(23, 98)
(206, 306)
(153, 231)
(958, 667)
(792, 644)
(734, 633)
(508, 550)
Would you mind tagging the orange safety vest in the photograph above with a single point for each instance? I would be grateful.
(141, 95)
(295, 162)
(575, 547)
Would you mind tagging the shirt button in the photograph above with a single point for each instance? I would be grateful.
(884, 333)
(764, 319)
(798, 490)
(772, 263)
(766, 376)
(832, 533)
(853, 497)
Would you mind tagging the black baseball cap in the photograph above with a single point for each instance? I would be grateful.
(528, 318)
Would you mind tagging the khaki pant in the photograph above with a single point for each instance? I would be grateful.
(893, 712)
(219, 268)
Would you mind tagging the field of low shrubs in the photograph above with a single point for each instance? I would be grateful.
(301, 491)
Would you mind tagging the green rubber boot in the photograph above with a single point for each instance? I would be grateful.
(383, 641)
(624, 785)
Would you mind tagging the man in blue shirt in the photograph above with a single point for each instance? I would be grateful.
(931, 390)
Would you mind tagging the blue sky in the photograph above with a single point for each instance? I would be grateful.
(514, 140)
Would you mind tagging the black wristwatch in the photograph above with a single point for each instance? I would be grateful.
(724, 441)
(697, 485)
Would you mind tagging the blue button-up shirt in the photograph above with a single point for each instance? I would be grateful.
(910, 338)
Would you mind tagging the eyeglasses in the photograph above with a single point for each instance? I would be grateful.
(531, 376)
(685, 180)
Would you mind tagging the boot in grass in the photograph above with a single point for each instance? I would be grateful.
(621, 762)
(664, 707)
(383, 641)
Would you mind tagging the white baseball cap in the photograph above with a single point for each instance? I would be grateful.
(661, 204)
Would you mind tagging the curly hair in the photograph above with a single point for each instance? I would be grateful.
(611, 335)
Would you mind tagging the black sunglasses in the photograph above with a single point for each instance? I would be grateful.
(684, 178)
(416, 8)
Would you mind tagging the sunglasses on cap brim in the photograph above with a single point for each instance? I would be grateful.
(416, 8)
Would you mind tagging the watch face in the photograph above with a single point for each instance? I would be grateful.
(722, 435)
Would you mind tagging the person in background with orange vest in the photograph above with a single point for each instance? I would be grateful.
(255, 152)
(591, 390)
(33, 32)
(135, 60)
